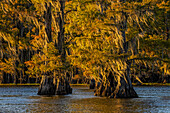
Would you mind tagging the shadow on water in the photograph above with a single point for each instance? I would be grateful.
(24, 99)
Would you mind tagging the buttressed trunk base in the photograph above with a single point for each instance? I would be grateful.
(49, 87)
(115, 89)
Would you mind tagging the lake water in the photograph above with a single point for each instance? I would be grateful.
(25, 99)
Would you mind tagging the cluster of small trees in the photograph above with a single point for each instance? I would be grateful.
(110, 41)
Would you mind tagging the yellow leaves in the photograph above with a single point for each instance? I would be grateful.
(133, 57)
(37, 42)
(160, 4)
(165, 68)
(109, 39)
(10, 40)
(33, 29)
(29, 63)
(8, 66)
(98, 40)
(36, 37)
(4, 8)
(164, 5)
(15, 1)
(31, 66)
(21, 45)
(15, 29)
(155, 37)
(38, 1)
(68, 3)
(46, 60)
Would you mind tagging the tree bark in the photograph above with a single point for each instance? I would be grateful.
(122, 88)
(49, 87)
(52, 85)
(116, 86)
(46, 86)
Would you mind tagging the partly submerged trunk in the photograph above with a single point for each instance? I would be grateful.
(118, 86)
(115, 87)
(46, 86)
(53, 86)
(60, 85)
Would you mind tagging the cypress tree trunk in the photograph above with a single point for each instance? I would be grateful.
(113, 85)
(46, 86)
(63, 86)
(52, 85)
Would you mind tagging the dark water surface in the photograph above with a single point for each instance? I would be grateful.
(25, 99)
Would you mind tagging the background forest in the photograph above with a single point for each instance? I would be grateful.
(90, 39)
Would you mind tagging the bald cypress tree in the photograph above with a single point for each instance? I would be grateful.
(52, 58)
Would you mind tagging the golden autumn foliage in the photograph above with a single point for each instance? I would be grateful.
(98, 38)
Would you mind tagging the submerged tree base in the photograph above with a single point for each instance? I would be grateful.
(113, 89)
(50, 86)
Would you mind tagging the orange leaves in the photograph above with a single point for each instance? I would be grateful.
(76, 77)
(15, 29)
(68, 3)
(37, 42)
(29, 63)
(36, 36)
(52, 28)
